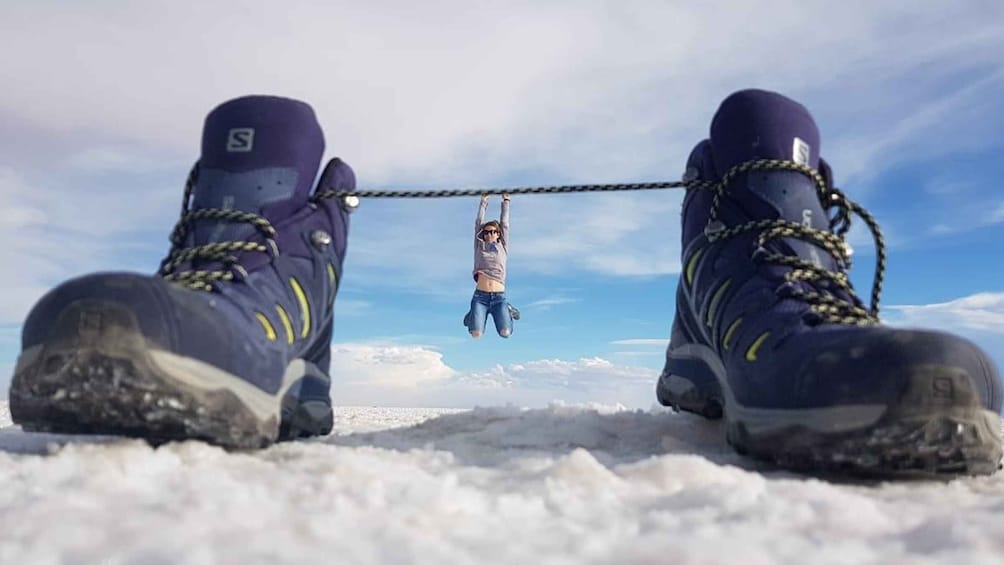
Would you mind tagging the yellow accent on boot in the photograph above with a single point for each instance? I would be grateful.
(751, 352)
(692, 264)
(333, 280)
(714, 301)
(728, 333)
(284, 317)
(301, 297)
(266, 325)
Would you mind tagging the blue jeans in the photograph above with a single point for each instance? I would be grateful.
(494, 303)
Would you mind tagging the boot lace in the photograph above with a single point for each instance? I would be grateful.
(179, 265)
(824, 306)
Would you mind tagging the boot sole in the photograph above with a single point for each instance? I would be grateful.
(921, 436)
(958, 441)
(97, 374)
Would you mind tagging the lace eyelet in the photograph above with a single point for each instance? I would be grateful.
(786, 290)
(812, 318)
(759, 254)
(713, 229)
(350, 203)
(320, 239)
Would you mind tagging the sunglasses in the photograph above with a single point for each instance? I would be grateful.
(491, 232)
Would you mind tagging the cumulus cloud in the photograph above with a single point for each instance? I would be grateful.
(409, 375)
(584, 373)
(388, 365)
(981, 312)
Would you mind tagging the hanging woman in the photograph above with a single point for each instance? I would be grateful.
(491, 251)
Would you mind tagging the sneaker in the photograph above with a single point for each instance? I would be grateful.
(513, 312)
(230, 341)
(770, 335)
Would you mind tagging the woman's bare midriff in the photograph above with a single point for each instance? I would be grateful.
(486, 284)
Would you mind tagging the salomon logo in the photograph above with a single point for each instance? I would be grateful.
(240, 140)
(800, 151)
(943, 388)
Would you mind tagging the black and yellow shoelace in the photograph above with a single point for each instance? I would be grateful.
(221, 254)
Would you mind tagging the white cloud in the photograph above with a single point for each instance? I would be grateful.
(982, 312)
(549, 372)
(392, 366)
(960, 217)
(115, 159)
(978, 317)
(547, 303)
(410, 375)
(912, 130)
(626, 235)
(457, 92)
(27, 255)
(51, 234)
(538, 383)
(956, 201)
(997, 216)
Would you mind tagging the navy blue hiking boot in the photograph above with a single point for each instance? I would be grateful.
(230, 342)
(770, 335)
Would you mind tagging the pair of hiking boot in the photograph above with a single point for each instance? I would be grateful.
(230, 341)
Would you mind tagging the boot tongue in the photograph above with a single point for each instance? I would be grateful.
(756, 124)
(260, 155)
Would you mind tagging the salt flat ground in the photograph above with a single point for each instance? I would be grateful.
(565, 484)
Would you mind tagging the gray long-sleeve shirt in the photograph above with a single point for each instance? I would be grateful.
(490, 258)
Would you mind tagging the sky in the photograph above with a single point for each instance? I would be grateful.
(103, 102)
(497, 485)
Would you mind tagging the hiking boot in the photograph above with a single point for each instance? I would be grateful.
(230, 341)
(770, 335)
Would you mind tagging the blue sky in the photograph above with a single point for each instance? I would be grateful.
(103, 103)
